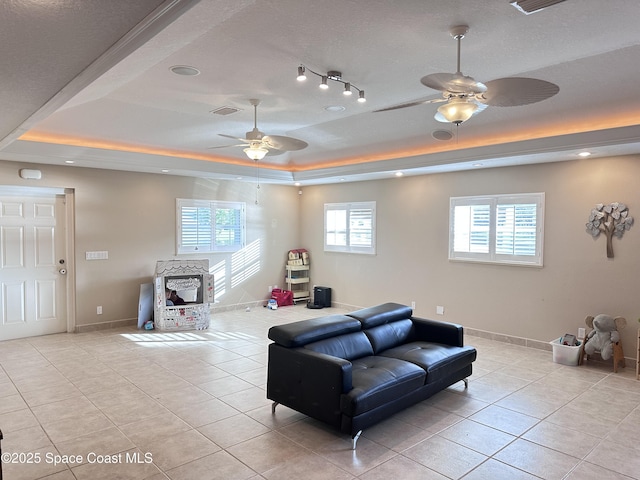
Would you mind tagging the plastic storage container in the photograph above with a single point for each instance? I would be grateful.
(565, 354)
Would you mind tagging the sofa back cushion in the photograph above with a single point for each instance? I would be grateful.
(350, 346)
(390, 335)
(297, 334)
(381, 314)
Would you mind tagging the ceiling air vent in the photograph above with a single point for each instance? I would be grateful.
(225, 110)
(531, 6)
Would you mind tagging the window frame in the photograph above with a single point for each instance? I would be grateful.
(214, 245)
(349, 247)
(494, 201)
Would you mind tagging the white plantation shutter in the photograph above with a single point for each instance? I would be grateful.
(472, 228)
(205, 226)
(350, 227)
(516, 229)
(335, 227)
(497, 229)
(196, 228)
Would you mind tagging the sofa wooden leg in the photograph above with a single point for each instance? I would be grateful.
(354, 440)
(466, 383)
(273, 407)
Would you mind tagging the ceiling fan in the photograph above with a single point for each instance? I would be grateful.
(258, 144)
(466, 97)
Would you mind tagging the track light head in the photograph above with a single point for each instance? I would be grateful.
(323, 84)
(301, 75)
(347, 89)
(361, 97)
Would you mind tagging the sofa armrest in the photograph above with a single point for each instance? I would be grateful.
(307, 381)
(435, 331)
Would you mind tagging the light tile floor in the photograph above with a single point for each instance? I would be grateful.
(128, 404)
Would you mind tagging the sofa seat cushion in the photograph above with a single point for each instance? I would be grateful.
(437, 359)
(379, 380)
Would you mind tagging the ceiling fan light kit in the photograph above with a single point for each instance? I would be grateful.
(457, 110)
(334, 76)
(256, 152)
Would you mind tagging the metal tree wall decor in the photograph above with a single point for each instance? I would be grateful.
(612, 219)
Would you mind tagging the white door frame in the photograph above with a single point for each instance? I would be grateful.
(69, 237)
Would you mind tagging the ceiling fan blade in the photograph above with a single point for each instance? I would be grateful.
(453, 82)
(235, 138)
(516, 91)
(287, 144)
(411, 104)
(274, 151)
(228, 146)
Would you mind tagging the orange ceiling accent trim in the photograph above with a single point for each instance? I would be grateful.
(550, 130)
(34, 136)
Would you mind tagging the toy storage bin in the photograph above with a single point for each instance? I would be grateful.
(565, 354)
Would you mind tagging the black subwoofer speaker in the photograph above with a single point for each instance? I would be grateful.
(322, 296)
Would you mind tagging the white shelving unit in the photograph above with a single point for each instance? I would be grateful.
(298, 281)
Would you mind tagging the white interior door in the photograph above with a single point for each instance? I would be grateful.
(33, 267)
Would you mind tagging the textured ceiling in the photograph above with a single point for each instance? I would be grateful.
(90, 81)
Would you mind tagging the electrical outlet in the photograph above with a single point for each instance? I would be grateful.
(270, 288)
(439, 310)
(413, 305)
(99, 309)
(581, 333)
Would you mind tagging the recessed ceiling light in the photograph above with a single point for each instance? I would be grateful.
(584, 154)
(185, 70)
(69, 161)
(399, 174)
(164, 170)
(476, 165)
(297, 184)
(334, 108)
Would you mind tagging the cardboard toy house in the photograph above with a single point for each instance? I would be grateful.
(193, 283)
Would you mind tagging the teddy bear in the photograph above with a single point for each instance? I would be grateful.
(604, 334)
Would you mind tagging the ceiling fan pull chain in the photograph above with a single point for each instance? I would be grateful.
(257, 181)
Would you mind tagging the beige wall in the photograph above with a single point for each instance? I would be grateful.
(536, 303)
(132, 216)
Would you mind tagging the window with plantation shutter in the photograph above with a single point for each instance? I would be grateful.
(350, 227)
(205, 226)
(497, 229)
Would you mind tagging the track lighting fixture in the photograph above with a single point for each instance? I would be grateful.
(334, 76)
